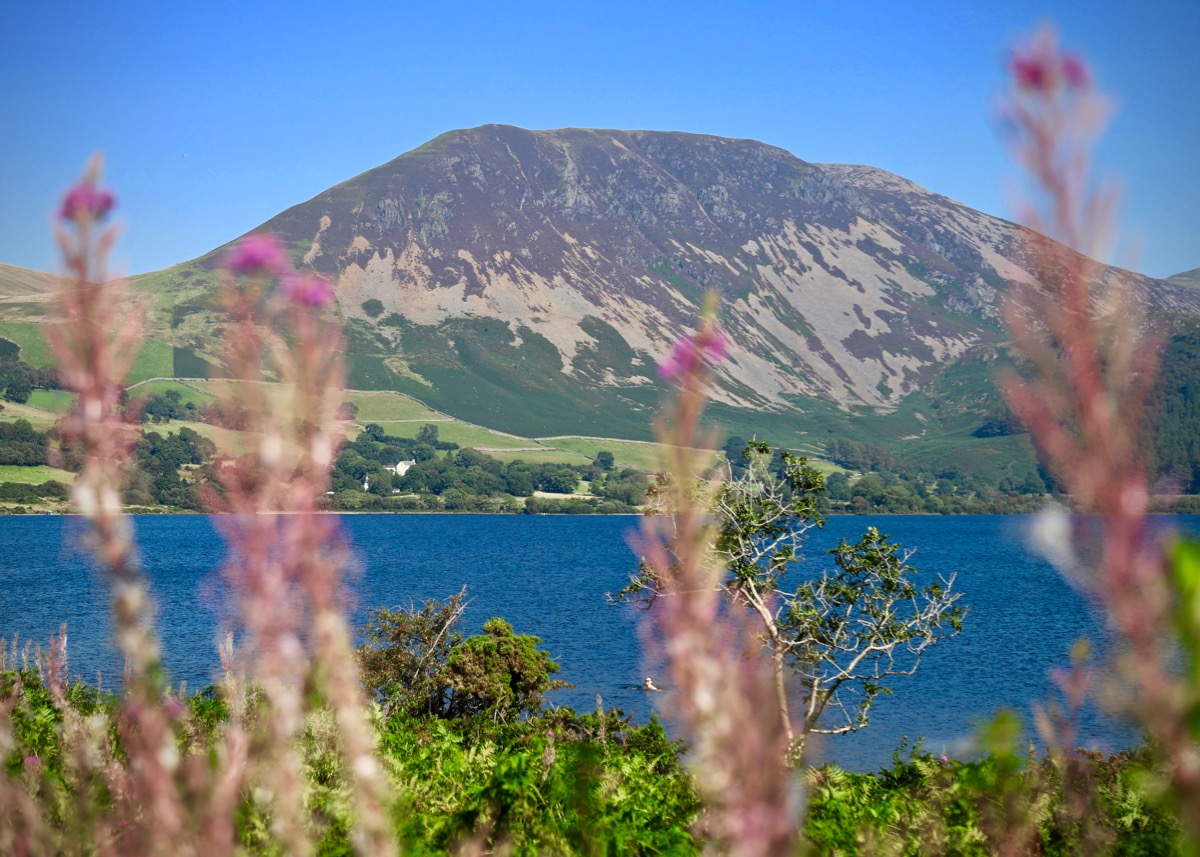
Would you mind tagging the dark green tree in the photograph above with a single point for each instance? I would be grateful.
(416, 660)
(733, 449)
(428, 433)
(501, 673)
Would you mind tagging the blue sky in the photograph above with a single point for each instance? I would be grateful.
(213, 117)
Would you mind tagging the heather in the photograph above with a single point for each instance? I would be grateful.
(422, 739)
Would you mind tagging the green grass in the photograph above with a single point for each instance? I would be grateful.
(34, 349)
(35, 475)
(540, 456)
(990, 459)
(643, 456)
(59, 401)
(187, 392)
(373, 407)
(155, 360)
(825, 467)
(39, 418)
(462, 434)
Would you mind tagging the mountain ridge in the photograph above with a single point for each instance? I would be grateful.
(530, 280)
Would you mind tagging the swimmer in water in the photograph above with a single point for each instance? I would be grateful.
(648, 684)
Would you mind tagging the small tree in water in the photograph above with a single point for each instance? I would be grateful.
(843, 636)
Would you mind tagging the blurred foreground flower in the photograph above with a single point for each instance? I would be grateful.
(85, 202)
(286, 552)
(1087, 366)
(693, 352)
(308, 290)
(1040, 67)
(260, 253)
(723, 694)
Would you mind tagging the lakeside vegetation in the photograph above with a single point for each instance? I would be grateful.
(463, 756)
(862, 477)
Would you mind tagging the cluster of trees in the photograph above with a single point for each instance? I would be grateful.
(1171, 441)
(417, 661)
(947, 491)
(18, 379)
(889, 485)
(468, 480)
(883, 483)
(20, 492)
(21, 443)
(157, 481)
(171, 468)
(865, 457)
(169, 405)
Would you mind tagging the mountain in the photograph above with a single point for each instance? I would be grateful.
(530, 281)
(1191, 278)
(23, 293)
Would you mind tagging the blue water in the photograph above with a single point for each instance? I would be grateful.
(548, 576)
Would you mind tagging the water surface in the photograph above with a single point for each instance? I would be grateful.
(548, 576)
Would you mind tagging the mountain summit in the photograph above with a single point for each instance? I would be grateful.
(530, 280)
(844, 283)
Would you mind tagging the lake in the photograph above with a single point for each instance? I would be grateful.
(548, 576)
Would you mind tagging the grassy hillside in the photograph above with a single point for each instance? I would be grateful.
(490, 388)
(1187, 278)
(34, 475)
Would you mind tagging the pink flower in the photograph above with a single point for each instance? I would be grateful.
(308, 290)
(1029, 72)
(1040, 67)
(1075, 72)
(86, 202)
(691, 353)
(260, 253)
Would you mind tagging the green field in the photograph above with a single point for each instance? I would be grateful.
(35, 475)
(825, 467)
(374, 407)
(626, 453)
(462, 434)
(155, 359)
(34, 349)
(540, 456)
(59, 401)
(187, 392)
(227, 440)
(39, 418)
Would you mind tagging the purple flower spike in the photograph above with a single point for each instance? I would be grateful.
(692, 352)
(260, 253)
(1075, 72)
(1041, 68)
(306, 290)
(85, 202)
